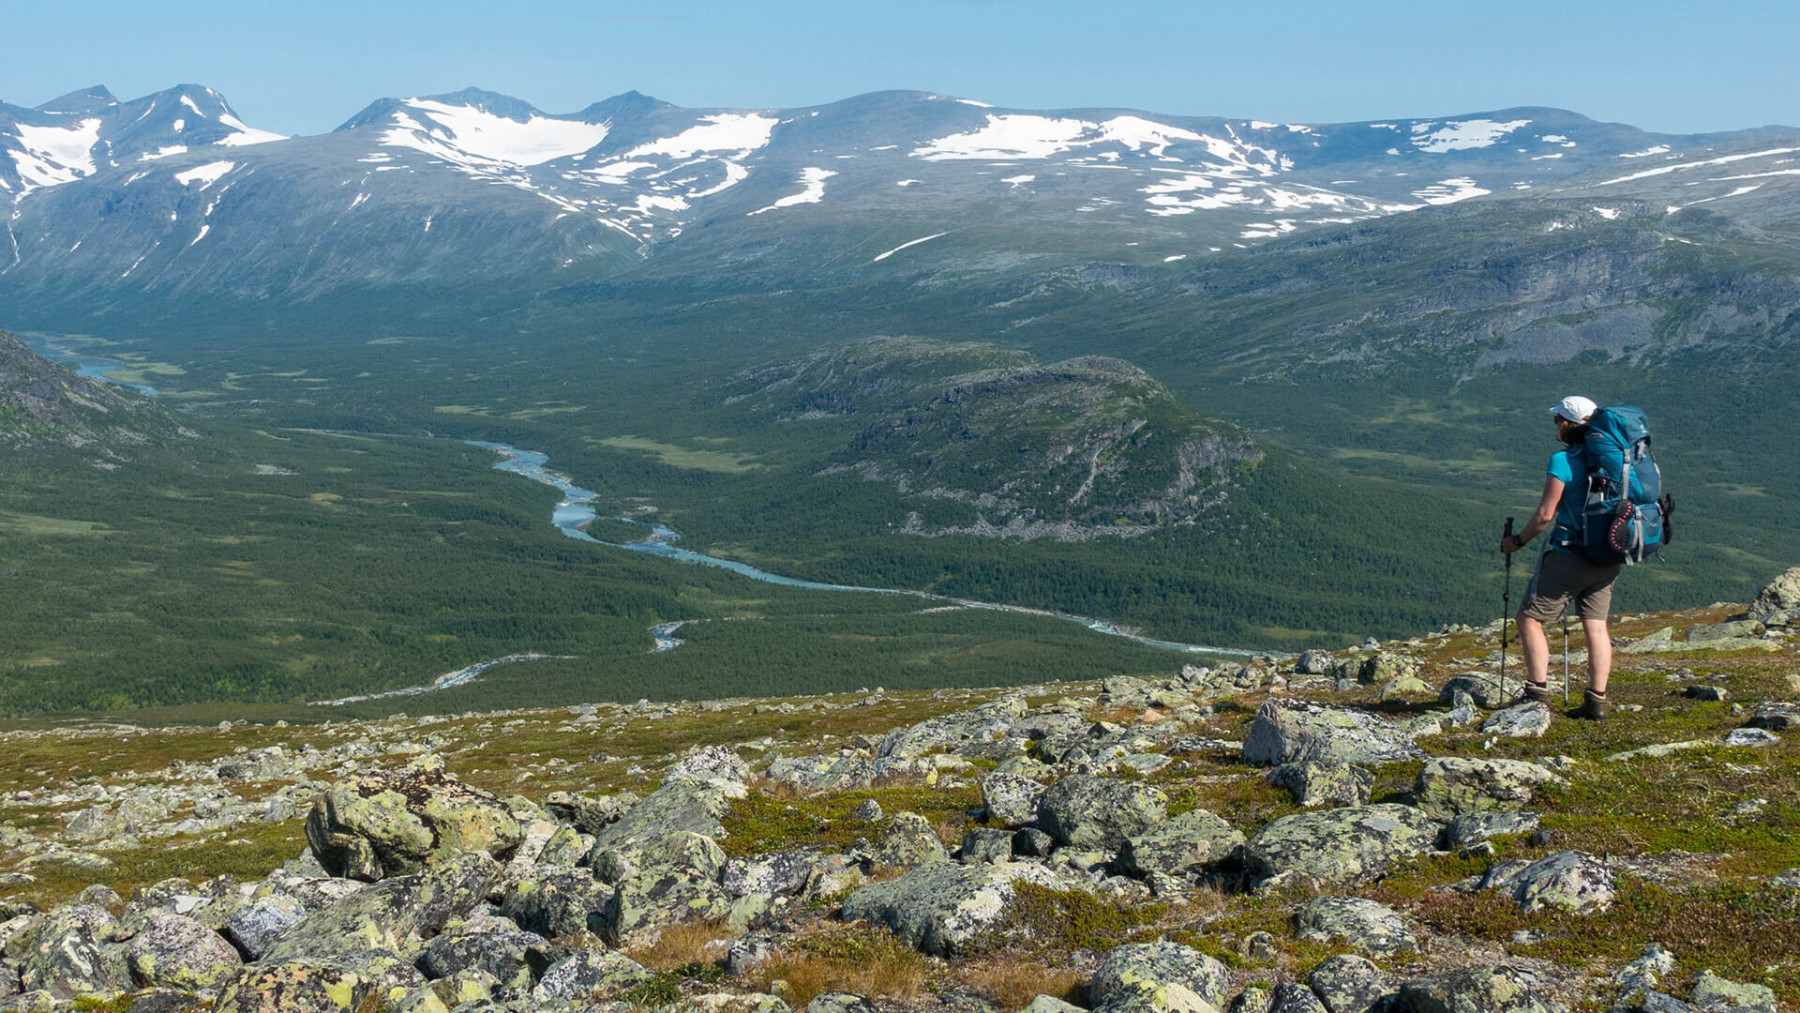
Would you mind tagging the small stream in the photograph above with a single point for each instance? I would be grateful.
(576, 510)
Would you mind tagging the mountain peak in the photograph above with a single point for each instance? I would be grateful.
(84, 100)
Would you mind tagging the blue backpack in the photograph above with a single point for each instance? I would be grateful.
(1625, 513)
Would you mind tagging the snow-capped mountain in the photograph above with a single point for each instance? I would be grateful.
(89, 131)
(173, 192)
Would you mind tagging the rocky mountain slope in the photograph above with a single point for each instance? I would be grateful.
(1070, 450)
(43, 403)
(1382, 829)
(173, 195)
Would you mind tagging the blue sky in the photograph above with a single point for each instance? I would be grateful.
(304, 68)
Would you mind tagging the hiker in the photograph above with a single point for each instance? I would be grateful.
(1563, 576)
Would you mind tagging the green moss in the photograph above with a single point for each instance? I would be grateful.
(1058, 922)
(664, 987)
(761, 823)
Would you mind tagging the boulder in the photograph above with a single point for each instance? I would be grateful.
(952, 731)
(1340, 845)
(254, 926)
(1084, 811)
(1781, 595)
(1182, 846)
(1253, 999)
(1528, 720)
(908, 841)
(1775, 716)
(495, 946)
(1167, 997)
(1471, 829)
(677, 880)
(1449, 786)
(395, 822)
(780, 874)
(1286, 731)
(1572, 881)
(1348, 983)
(1385, 666)
(1293, 997)
(942, 907)
(840, 1002)
(986, 846)
(1482, 988)
(678, 807)
(588, 814)
(178, 952)
(1403, 687)
(1316, 784)
(555, 902)
(297, 987)
(1010, 799)
(1157, 964)
(65, 954)
(1481, 687)
(394, 914)
(1752, 737)
(1362, 923)
(1313, 663)
(1714, 992)
(1050, 1004)
(584, 973)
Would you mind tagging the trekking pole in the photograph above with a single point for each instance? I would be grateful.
(1505, 613)
(1565, 659)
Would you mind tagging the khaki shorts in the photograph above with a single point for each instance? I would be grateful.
(1562, 577)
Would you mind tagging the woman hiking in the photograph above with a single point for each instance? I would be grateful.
(1564, 577)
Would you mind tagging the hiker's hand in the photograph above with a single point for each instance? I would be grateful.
(1508, 546)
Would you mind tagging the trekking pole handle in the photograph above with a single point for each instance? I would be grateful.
(1508, 533)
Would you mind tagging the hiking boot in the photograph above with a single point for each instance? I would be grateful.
(1538, 692)
(1593, 706)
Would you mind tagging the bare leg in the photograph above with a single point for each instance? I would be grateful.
(1599, 645)
(1537, 649)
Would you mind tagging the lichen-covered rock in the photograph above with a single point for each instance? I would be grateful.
(1155, 964)
(296, 987)
(1470, 829)
(1316, 784)
(709, 764)
(951, 731)
(1572, 881)
(254, 926)
(1714, 992)
(588, 814)
(393, 914)
(1781, 595)
(1286, 731)
(1482, 988)
(986, 846)
(555, 902)
(65, 954)
(1348, 983)
(781, 874)
(395, 822)
(840, 1002)
(1340, 845)
(908, 841)
(1481, 687)
(1084, 811)
(582, 974)
(1775, 716)
(1253, 999)
(1164, 997)
(1183, 846)
(678, 807)
(177, 952)
(495, 946)
(733, 1002)
(676, 880)
(1528, 720)
(1010, 799)
(1449, 786)
(1313, 663)
(940, 908)
(1293, 997)
(1384, 666)
(1358, 921)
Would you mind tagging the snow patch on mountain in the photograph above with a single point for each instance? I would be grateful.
(1724, 160)
(1655, 149)
(1449, 191)
(206, 175)
(1461, 135)
(814, 179)
(739, 132)
(243, 134)
(879, 257)
(440, 129)
(51, 156)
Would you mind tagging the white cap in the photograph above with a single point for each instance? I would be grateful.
(1575, 408)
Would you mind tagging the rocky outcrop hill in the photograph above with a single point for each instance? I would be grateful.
(42, 403)
(1382, 829)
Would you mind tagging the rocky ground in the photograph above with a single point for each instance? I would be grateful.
(1385, 828)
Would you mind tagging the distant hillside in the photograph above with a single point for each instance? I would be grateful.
(1088, 446)
(42, 403)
